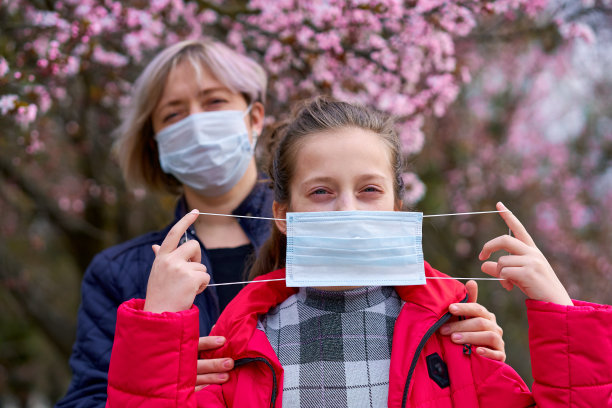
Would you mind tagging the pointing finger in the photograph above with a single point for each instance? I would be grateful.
(515, 225)
(176, 232)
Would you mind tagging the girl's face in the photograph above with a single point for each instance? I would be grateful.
(341, 170)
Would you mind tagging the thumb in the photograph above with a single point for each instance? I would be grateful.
(155, 249)
(472, 290)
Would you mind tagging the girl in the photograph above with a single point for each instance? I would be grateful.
(343, 346)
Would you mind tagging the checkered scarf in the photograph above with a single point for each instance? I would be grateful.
(335, 347)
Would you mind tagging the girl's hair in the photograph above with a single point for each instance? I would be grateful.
(314, 116)
(136, 147)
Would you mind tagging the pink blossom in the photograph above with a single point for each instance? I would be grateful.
(7, 103)
(110, 58)
(4, 67)
(414, 188)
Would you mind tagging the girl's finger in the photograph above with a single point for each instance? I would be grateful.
(505, 243)
(189, 251)
(177, 231)
(472, 290)
(155, 248)
(515, 225)
(491, 354)
(490, 268)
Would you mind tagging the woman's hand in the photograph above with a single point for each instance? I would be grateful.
(479, 329)
(177, 275)
(525, 267)
(214, 370)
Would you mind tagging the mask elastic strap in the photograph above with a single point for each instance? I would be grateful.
(283, 219)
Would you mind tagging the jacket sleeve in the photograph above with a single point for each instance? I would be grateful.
(154, 358)
(571, 354)
(95, 328)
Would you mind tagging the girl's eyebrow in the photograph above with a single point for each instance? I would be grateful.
(327, 179)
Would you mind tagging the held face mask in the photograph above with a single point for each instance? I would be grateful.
(354, 248)
(207, 151)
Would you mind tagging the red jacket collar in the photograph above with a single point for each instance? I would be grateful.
(239, 319)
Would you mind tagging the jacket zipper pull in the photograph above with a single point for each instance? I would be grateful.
(467, 349)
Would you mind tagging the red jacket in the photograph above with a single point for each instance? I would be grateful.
(153, 361)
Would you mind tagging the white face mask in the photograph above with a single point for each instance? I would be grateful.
(207, 151)
(354, 248)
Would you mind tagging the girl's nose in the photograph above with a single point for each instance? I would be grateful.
(345, 202)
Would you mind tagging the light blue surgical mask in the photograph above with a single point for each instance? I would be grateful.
(354, 248)
(207, 151)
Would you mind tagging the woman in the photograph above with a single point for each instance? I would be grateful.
(190, 129)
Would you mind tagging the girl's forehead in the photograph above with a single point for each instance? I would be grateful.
(343, 150)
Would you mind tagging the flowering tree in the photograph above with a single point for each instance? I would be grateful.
(479, 78)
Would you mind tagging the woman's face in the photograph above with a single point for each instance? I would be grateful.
(186, 93)
(342, 170)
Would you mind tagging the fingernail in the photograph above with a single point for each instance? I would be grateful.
(453, 308)
(457, 336)
(445, 330)
(502, 205)
(220, 340)
(194, 211)
(223, 377)
(227, 364)
(480, 350)
(480, 256)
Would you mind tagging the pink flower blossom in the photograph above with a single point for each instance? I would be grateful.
(4, 67)
(7, 103)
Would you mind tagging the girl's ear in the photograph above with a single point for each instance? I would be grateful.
(280, 211)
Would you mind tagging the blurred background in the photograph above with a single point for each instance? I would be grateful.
(507, 100)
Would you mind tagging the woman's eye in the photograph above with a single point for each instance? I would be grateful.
(170, 116)
(216, 102)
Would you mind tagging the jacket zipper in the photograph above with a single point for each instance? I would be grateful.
(417, 353)
(242, 361)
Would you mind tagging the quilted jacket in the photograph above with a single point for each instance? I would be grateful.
(154, 355)
(120, 273)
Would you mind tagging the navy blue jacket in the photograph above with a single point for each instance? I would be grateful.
(121, 273)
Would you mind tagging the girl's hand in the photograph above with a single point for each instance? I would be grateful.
(480, 329)
(177, 275)
(525, 267)
(214, 370)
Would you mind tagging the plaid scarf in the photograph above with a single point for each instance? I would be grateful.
(335, 347)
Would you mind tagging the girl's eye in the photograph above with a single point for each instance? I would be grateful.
(371, 189)
(319, 191)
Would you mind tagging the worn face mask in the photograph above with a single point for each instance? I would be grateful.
(354, 248)
(207, 151)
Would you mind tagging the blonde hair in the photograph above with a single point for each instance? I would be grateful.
(135, 147)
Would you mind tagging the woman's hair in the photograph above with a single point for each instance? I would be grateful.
(321, 114)
(135, 146)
